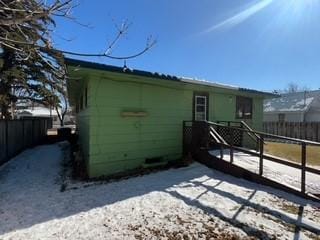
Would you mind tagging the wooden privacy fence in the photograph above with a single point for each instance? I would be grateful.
(17, 135)
(307, 130)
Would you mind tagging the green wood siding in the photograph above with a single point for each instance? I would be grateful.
(112, 143)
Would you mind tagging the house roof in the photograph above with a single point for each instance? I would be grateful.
(110, 68)
(291, 102)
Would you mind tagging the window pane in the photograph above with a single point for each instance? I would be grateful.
(240, 113)
(200, 100)
(201, 108)
(244, 107)
(247, 110)
(200, 116)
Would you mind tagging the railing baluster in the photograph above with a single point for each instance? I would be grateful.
(261, 146)
(303, 167)
(231, 144)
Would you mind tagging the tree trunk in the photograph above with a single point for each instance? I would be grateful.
(5, 83)
(61, 122)
(60, 116)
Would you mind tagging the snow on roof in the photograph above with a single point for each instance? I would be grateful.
(291, 102)
(99, 66)
(209, 83)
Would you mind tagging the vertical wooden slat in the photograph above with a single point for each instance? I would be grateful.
(17, 135)
(33, 132)
(7, 138)
(303, 167)
(317, 132)
(306, 130)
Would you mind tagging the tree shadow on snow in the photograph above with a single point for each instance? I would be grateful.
(22, 207)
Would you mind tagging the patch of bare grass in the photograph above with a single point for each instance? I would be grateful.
(293, 152)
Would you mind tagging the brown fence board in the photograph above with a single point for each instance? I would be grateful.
(3, 140)
(307, 131)
(17, 135)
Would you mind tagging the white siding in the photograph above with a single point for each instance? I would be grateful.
(289, 117)
(313, 116)
(270, 117)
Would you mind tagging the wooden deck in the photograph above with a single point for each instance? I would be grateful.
(283, 174)
(214, 145)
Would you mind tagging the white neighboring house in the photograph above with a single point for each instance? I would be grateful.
(40, 111)
(293, 107)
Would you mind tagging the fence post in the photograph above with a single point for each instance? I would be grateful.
(32, 123)
(261, 146)
(7, 138)
(303, 166)
(23, 141)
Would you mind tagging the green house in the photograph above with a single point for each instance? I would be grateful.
(127, 117)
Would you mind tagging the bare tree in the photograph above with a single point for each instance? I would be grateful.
(62, 108)
(32, 67)
(292, 87)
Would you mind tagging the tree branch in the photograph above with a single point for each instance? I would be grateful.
(148, 47)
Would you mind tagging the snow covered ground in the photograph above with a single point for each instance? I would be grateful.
(275, 171)
(194, 202)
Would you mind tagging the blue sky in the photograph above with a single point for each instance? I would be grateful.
(260, 44)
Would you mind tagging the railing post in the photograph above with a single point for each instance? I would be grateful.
(258, 143)
(221, 152)
(183, 139)
(231, 144)
(303, 166)
(261, 146)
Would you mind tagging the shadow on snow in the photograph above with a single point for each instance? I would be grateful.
(30, 193)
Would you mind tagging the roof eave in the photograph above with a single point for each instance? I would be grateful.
(115, 69)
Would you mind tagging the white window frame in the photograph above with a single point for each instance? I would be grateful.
(204, 105)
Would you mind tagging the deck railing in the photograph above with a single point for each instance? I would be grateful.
(212, 137)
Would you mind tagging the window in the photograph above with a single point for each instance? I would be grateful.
(243, 108)
(86, 97)
(281, 117)
(200, 107)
